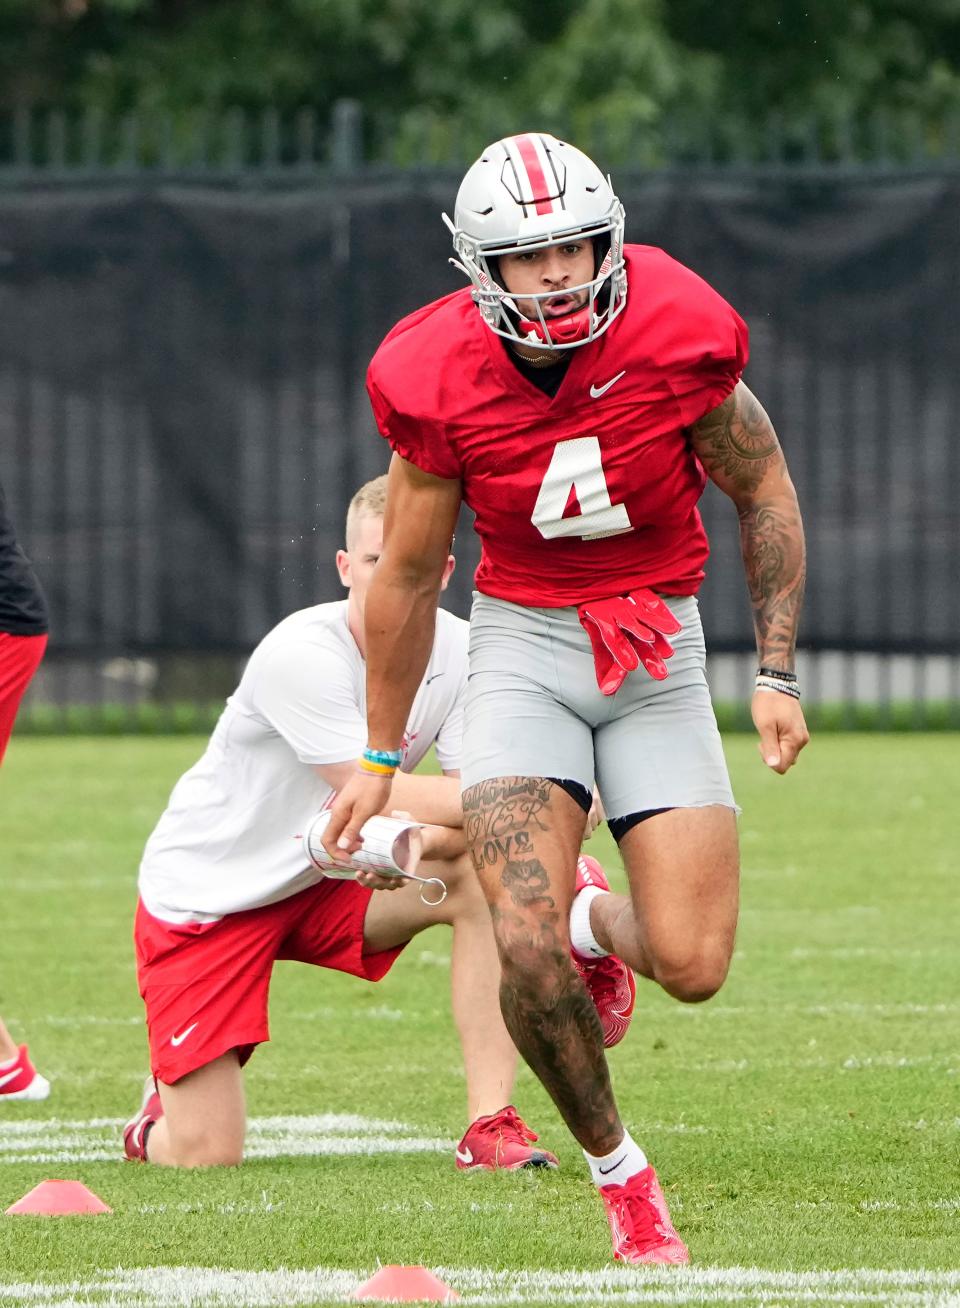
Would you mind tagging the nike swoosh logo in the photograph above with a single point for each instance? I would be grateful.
(605, 1171)
(465, 1155)
(176, 1040)
(9, 1076)
(434, 677)
(597, 391)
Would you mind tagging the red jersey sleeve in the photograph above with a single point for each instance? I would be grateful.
(394, 382)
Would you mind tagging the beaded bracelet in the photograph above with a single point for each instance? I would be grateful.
(380, 762)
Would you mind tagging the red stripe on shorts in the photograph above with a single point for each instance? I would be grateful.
(19, 659)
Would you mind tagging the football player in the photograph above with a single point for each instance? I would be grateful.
(23, 640)
(226, 889)
(576, 397)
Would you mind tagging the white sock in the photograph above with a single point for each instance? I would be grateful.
(581, 933)
(616, 1168)
(10, 1062)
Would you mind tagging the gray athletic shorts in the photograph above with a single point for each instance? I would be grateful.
(534, 709)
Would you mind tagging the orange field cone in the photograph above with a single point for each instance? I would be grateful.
(59, 1199)
(396, 1284)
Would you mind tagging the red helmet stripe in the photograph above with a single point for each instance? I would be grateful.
(539, 189)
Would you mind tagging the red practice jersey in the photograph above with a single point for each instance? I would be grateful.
(590, 493)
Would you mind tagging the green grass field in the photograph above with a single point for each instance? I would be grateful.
(805, 1123)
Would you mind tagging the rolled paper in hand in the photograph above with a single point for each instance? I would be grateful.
(391, 848)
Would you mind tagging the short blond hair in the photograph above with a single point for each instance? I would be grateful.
(370, 501)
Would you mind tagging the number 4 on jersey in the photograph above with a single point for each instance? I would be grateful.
(575, 467)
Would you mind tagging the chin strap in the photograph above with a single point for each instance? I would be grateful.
(625, 632)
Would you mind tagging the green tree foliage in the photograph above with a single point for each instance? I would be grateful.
(435, 77)
(851, 56)
(863, 63)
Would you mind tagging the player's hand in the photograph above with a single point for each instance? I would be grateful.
(783, 730)
(595, 816)
(409, 851)
(374, 880)
(362, 797)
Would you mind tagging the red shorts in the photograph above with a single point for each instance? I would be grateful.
(19, 659)
(205, 984)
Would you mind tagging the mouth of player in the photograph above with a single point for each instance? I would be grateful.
(560, 305)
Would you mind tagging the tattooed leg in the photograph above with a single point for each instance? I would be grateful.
(524, 836)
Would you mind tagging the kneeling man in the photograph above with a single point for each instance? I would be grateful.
(226, 890)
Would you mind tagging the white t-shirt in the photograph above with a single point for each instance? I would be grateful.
(230, 838)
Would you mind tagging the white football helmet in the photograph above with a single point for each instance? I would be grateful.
(524, 193)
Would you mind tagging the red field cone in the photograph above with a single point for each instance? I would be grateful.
(406, 1285)
(59, 1199)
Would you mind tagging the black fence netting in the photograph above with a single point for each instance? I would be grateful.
(183, 417)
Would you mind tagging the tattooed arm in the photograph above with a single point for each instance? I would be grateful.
(739, 450)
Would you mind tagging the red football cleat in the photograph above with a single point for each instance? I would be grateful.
(19, 1079)
(138, 1128)
(640, 1223)
(612, 985)
(501, 1142)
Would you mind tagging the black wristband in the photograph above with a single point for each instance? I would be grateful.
(776, 674)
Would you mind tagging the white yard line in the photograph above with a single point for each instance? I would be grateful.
(848, 1008)
(52, 1140)
(97, 1139)
(200, 1287)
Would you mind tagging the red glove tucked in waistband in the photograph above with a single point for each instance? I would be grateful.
(626, 631)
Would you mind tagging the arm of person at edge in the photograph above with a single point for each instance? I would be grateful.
(399, 621)
(739, 450)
